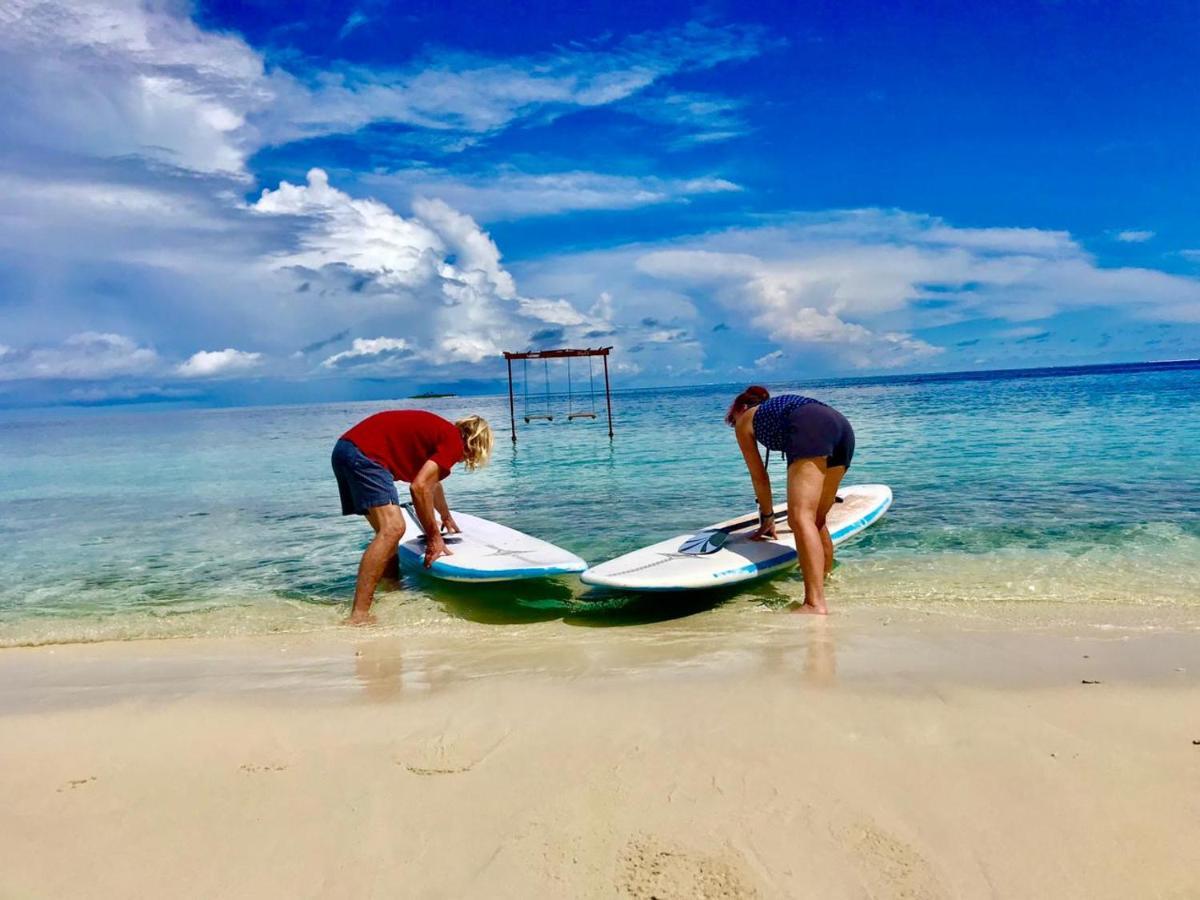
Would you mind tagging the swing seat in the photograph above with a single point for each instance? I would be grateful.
(585, 415)
(532, 417)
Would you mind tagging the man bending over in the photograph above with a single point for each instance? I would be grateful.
(402, 445)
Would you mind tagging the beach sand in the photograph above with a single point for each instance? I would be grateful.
(876, 754)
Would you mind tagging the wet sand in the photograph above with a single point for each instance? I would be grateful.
(896, 753)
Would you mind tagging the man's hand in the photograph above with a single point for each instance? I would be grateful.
(435, 548)
(450, 526)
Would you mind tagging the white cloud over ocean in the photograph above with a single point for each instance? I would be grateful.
(142, 241)
(211, 363)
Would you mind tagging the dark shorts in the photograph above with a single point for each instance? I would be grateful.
(362, 482)
(814, 429)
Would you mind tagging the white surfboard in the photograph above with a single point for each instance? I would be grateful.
(486, 551)
(723, 554)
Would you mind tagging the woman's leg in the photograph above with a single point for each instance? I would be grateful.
(833, 480)
(806, 482)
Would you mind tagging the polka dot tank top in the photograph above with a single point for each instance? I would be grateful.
(770, 419)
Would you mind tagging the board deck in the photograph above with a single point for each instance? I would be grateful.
(486, 551)
(662, 567)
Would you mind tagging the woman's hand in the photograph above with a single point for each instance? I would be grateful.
(449, 525)
(766, 529)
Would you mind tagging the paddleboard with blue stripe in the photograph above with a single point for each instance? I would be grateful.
(723, 554)
(486, 551)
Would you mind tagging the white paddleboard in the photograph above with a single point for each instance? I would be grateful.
(695, 561)
(486, 551)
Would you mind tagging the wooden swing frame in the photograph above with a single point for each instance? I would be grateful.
(562, 353)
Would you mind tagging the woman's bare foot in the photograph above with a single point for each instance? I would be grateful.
(810, 608)
(360, 618)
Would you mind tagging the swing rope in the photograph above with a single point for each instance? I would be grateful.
(525, 385)
(545, 414)
(571, 414)
(592, 387)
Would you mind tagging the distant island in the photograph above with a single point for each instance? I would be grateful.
(430, 396)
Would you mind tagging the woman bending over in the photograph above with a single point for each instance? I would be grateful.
(818, 443)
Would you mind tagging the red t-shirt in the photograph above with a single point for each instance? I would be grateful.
(403, 440)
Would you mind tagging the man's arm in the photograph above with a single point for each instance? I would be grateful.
(443, 508)
(424, 489)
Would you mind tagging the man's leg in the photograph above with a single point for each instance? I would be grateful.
(390, 580)
(389, 528)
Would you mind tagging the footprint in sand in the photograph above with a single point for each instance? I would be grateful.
(889, 866)
(652, 869)
(254, 769)
(76, 782)
(444, 753)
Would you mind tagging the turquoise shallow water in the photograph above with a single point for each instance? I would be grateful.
(122, 523)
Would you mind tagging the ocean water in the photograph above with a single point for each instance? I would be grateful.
(1075, 487)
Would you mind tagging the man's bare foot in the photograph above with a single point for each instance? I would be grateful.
(809, 608)
(360, 618)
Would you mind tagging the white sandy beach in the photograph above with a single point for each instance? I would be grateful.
(868, 756)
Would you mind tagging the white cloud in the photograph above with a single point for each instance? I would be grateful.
(690, 118)
(210, 363)
(852, 287)
(125, 77)
(370, 351)
(353, 22)
(83, 356)
(364, 235)
(1134, 237)
(770, 360)
(438, 270)
(511, 194)
(1190, 255)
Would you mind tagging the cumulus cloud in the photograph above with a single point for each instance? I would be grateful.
(1134, 237)
(510, 194)
(370, 351)
(437, 270)
(211, 363)
(855, 286)
(125, 77)
(88, 355)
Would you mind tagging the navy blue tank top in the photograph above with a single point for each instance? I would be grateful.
(770, 419)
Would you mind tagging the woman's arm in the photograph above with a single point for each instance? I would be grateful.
(758, 472)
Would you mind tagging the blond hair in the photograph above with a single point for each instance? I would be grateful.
(477, 441)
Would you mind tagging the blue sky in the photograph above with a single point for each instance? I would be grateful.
(251, 201)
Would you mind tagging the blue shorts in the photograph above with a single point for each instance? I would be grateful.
(362, 482)
(815, 429)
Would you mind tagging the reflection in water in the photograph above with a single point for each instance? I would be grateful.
(671, 641)
(508, 603)
(379, 665)
(820, 660)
